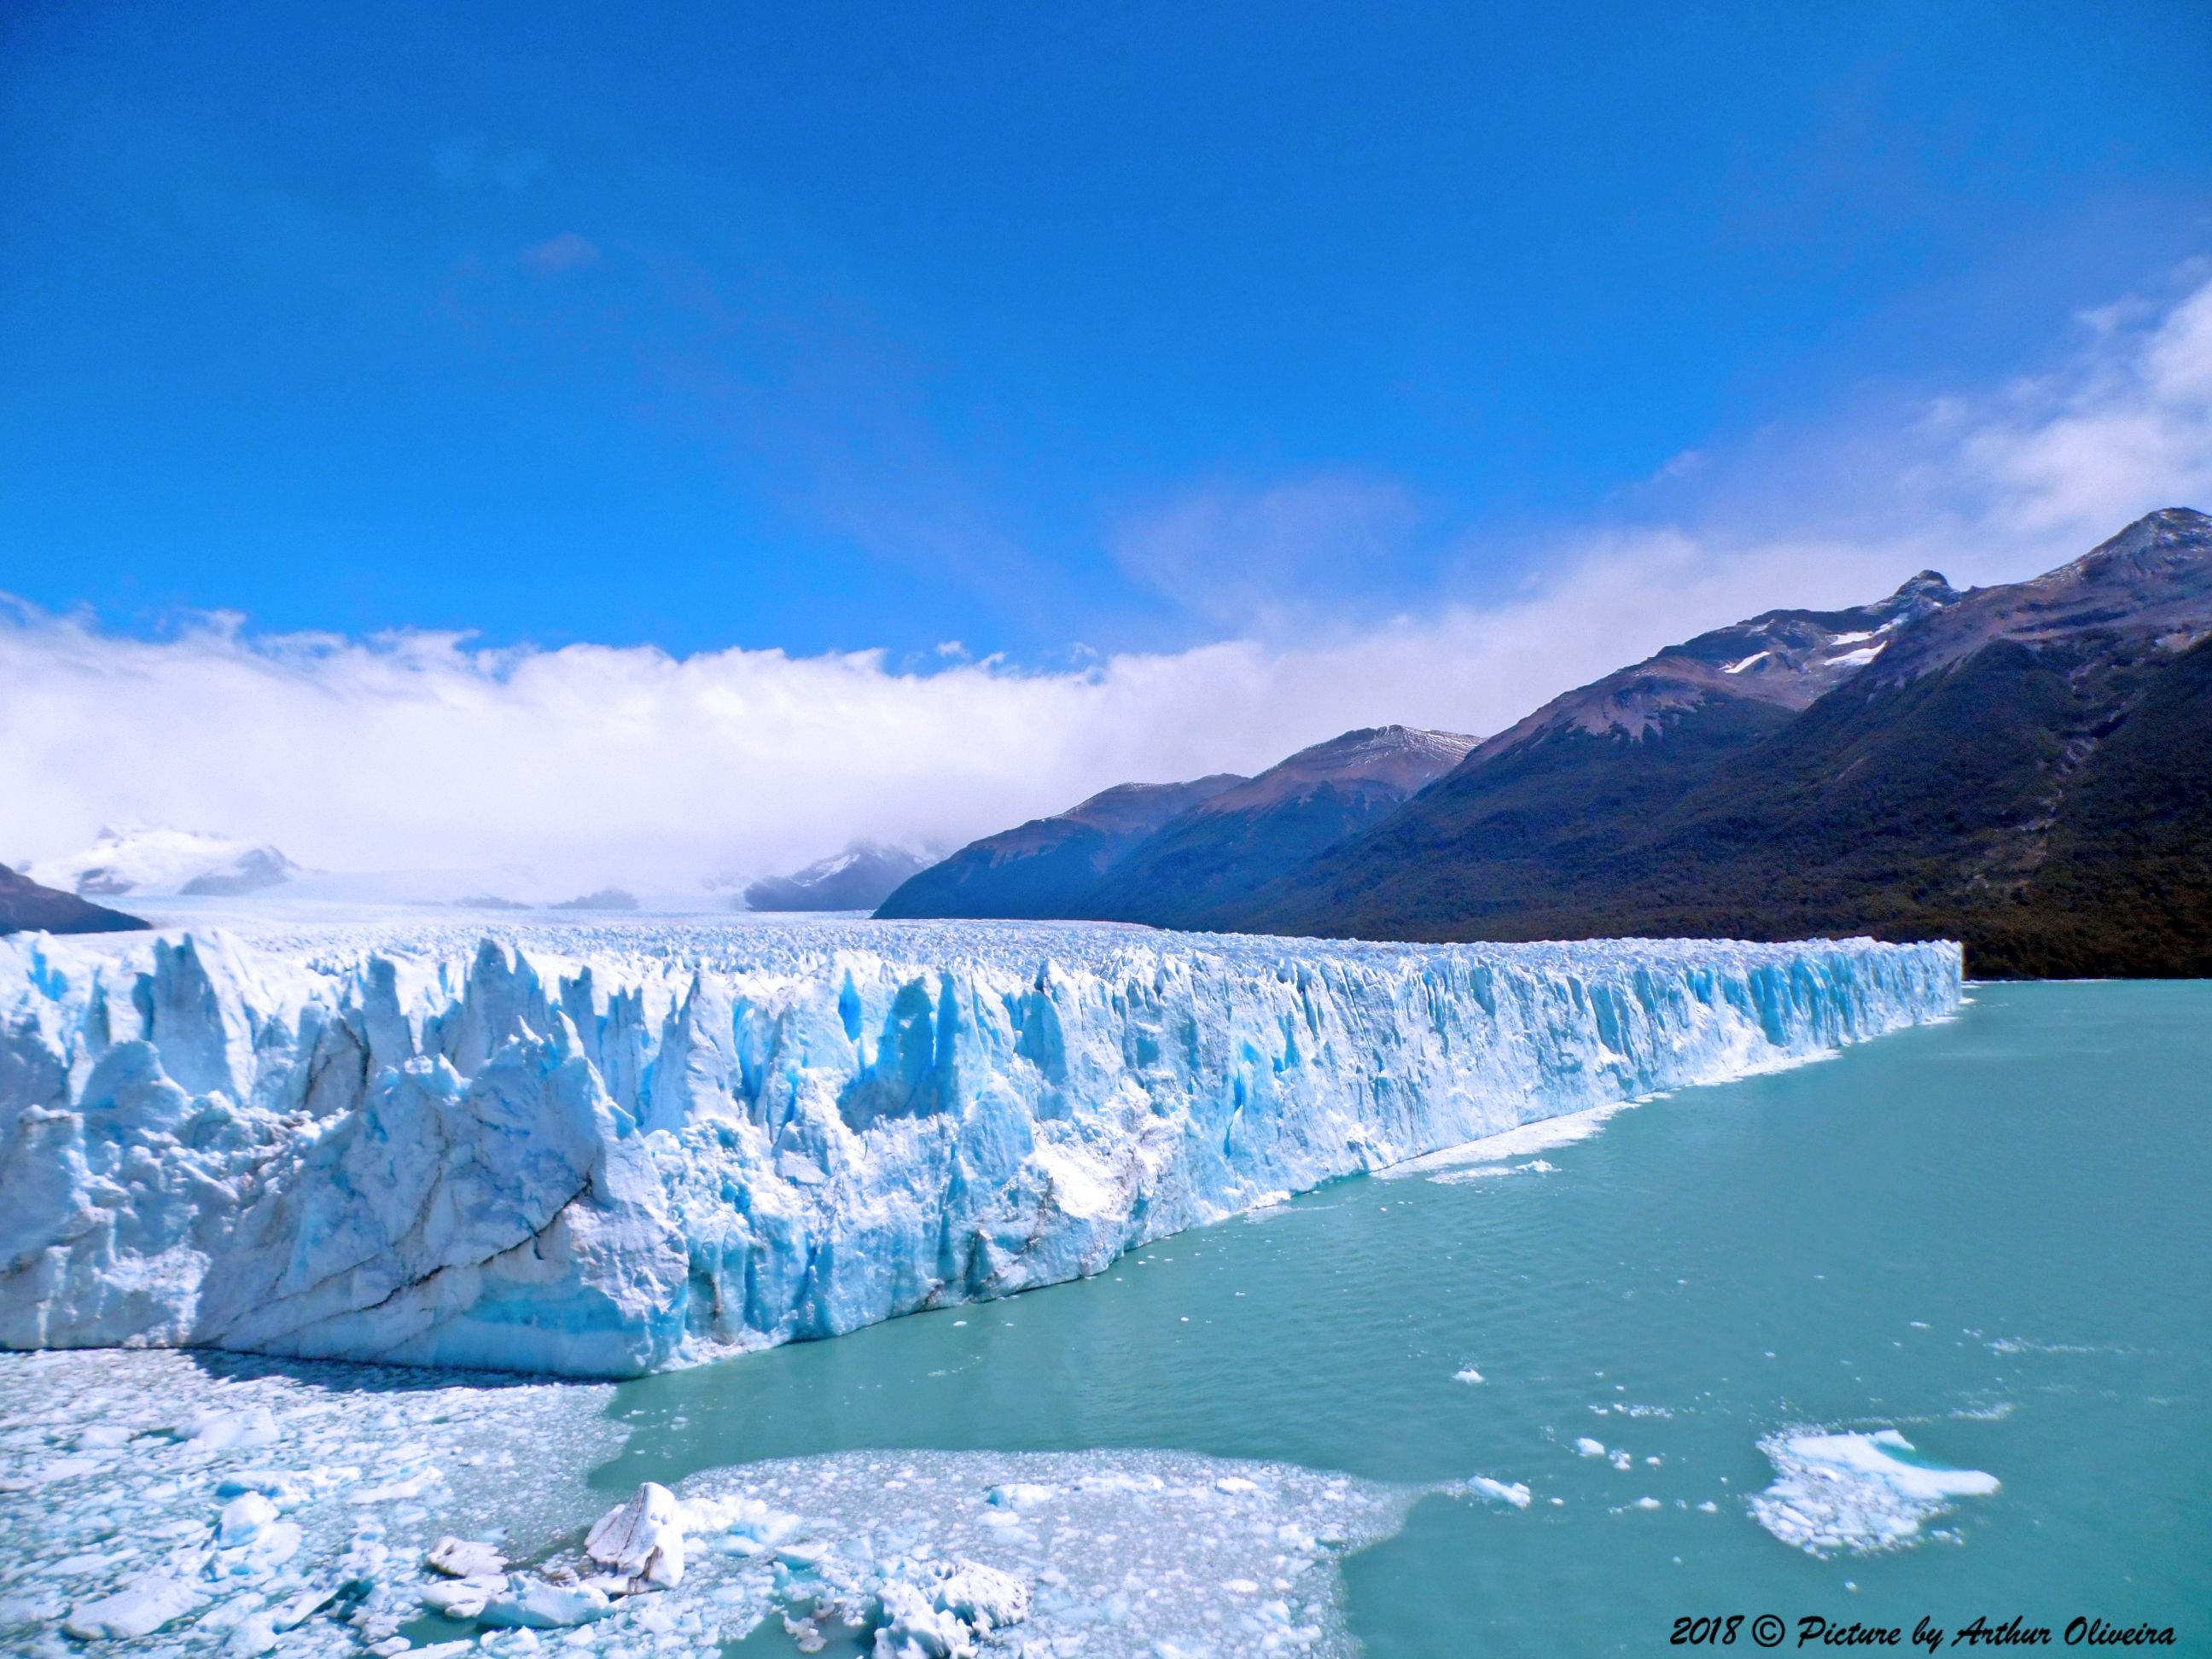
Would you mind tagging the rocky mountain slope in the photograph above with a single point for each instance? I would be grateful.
(1177, 856)
(27, 907)
(1048, 866)
(2022, 767)
(859, 879)
(1203, 863)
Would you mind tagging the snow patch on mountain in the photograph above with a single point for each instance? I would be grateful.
(155, 862)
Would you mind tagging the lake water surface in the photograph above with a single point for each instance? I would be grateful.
(1993, 1236)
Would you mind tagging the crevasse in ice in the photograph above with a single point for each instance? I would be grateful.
(599, 1152)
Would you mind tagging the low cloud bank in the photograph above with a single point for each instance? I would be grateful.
(593, 764)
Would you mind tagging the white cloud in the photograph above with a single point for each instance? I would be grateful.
(1242, 555)
(2127, 424)
(566, 251)
(594, 764)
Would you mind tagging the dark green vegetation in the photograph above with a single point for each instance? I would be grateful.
(2026, 768)
(26, 906)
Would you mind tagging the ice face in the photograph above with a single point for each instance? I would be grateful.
(601, 1150)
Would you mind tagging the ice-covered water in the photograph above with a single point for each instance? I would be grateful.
(608, 1148)
(118, 1470)
(245, 1506)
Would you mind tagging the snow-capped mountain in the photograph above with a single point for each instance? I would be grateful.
(1786, 659)
(154, 861)
(2020, 767)
(861, 877)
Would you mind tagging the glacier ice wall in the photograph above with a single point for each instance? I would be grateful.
(603, 1150)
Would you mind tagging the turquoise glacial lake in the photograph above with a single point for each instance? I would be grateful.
(1992, 1237)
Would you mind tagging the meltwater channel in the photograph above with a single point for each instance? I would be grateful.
(1991, 1236)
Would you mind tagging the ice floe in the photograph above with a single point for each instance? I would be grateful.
(504, 1549)
(313, 1525)
(1853, 1494)
(1515, 1492)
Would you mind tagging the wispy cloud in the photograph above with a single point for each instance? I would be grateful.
(595, 763)
(2128, 421)
(461, 163)
(1240, 555)
(566, 251)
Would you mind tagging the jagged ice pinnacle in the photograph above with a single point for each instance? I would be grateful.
(601, 1151)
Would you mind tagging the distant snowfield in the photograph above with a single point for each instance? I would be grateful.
(147, 861)
(598, 1146)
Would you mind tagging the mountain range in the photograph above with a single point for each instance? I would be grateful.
(1186, 854)
(859, 879)
(2024, 768)
(154, 860)
(26, 906)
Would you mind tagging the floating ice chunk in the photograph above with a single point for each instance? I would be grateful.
(270, 1545)
(1468, 1374)
(1647, 1504)
(241, 1518)
(222, 1430)
(105, 1437)
(643, 1539)
(914, 1628)
(464, 1598)
(139, 1610)
(282, 1488)
(534, 1604)
(743, 1526)
(1852, 1493)
(1620, 1460)
(1515, 1492)
(982, 1597)
(464, 1557)
(303, 1607)
(393, 1492)
(254, 1635)
(1586, 1447)
(1019, 1495)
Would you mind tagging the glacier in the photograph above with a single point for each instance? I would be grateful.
(607, 1148)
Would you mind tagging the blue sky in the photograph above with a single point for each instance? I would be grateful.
(830, 327)
(572, 438)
